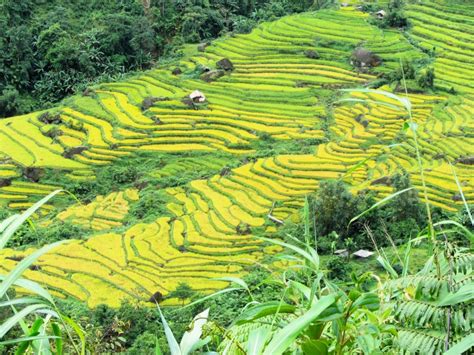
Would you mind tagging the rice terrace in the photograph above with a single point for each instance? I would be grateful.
(180, 176)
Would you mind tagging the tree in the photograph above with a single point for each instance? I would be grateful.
(182, 292)
(334, 207)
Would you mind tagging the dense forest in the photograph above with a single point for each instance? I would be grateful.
(248, 177)
(52, 49)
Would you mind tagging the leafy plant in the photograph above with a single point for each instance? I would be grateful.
(191, 339)
(39, 303)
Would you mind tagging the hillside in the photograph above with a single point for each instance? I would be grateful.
(271, 129)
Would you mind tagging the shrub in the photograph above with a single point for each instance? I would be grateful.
(338, 268)
(426, 78)
(334, 207)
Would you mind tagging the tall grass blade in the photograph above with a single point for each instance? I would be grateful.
(59, 340)
(172, 343)
(379, 203)
(192, 337)
(467, 343)
(311, 256)
(5, 223)
(32, 286)
(283, 339)
(78, 330)
(16, 273)
(405, 102)
(157, 347)
(464, 295)
(257, 340)
(387, 266)
(18, 221)
(466, 206)
(226, 290)
(13, 320)
(25, 339)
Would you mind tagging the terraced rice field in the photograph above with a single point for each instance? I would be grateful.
(274, 91)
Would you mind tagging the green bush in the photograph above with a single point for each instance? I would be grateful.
(338, 268)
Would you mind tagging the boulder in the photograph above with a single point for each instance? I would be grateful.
(212, 75)
(202, 46)
(88, 92)
(48, 118)
(157, 297)
(33, 174)
(150, 101)
(69, 153)
(176, 71)
(5, 182)
(311, 54)
(385, 180)
(157, 120)
(466, 160)
(457, 197)
(225, 64)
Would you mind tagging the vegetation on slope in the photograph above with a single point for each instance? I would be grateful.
(51, 49)
(177, 199)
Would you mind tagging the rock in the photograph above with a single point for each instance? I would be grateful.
(141, 185)
(457, 197)
(48, 118)
(360, 117)
(15, 258)
(364, 59)
(188, 102)
(33, 174)
(311, 54)
(69, 153)
(225, 64)
(5, 182)
(150, 101)
(212, 75)
(177, 71)
(202, 46)
(88, 92)
(385, 180)
(243, 229)
(225, 171)
(466, 160)
(157, 297)
(157, 120)
(53, 133)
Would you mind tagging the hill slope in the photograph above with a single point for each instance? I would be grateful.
(276, 94)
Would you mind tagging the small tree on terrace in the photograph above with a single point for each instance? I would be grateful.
(182, 292)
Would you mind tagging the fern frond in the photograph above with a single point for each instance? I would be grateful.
(463, 263)
(429, 283)
(415, 313)
(420, 341)
(420, 314)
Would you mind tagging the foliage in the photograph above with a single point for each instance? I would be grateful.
(338, 268)
(28, 234)
(395, 16)
(182, 292)
(334, 206)
(49, 50)
(433, 307)
(44, 335)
